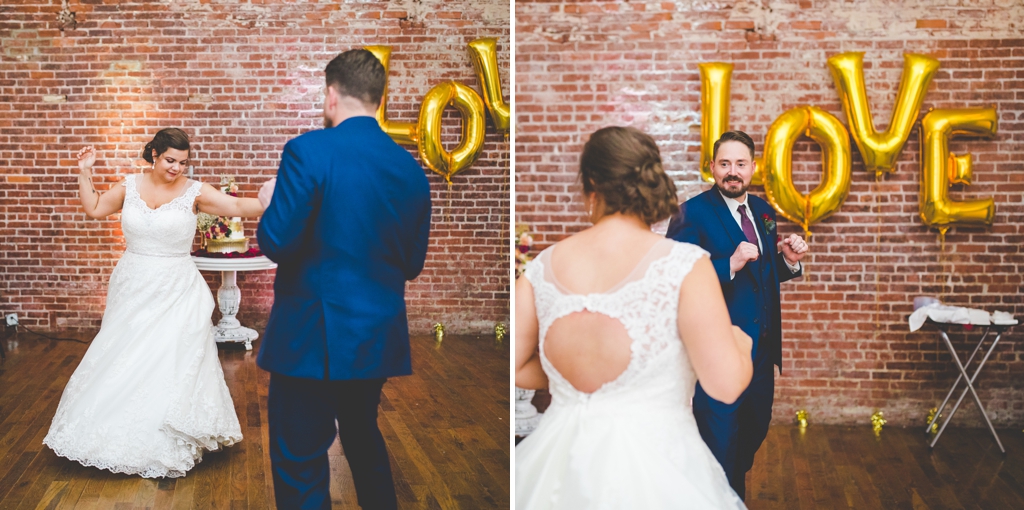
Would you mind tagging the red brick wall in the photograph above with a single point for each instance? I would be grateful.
(847, 350)
(241, 79)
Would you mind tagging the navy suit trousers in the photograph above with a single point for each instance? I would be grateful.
(302, 415)
(735, 431)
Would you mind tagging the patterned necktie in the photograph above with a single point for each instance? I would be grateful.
(748, 227)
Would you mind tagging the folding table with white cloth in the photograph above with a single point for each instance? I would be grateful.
(944, 316)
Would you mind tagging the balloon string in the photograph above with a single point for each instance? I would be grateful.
(448, 209)
(878, 254)
(943, 259)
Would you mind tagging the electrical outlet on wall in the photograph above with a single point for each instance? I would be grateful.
(12, 319)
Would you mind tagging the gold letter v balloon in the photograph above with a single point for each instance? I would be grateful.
(880, 150)
(834, 140)
(484, 54)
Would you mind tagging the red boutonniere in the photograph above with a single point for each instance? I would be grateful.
(769, 223)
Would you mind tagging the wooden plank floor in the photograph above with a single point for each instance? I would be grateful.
(830, 466)
(446, 428)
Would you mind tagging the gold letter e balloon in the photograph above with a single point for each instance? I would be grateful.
(940, 168)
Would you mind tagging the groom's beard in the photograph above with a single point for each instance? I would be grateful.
(733, 192)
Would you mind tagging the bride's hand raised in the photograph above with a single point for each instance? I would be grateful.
(86, 158)
(743, 341)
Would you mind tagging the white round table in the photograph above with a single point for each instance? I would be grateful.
(229, 297)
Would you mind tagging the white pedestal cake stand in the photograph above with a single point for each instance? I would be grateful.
(229, 297)
(527, 417)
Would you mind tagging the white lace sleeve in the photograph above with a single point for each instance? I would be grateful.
(684, 255)
(534, 271)
(194, 190)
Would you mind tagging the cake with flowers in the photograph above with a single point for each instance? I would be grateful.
(220, 234)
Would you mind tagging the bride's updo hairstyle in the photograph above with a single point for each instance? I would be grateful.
(623, 165)
(167, 138)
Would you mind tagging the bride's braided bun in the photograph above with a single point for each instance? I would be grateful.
(623, 165)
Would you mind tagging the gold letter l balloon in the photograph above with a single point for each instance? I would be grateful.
(469, 104)
(880, 150)
(715, 86)
(939, 168)
(400, 132)
(714, 110)
(834, 140)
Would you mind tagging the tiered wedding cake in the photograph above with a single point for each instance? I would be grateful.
(221, 234)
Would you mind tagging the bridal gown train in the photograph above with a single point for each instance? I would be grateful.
(633, 443)
(149, 395)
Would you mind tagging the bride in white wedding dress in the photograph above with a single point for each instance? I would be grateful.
(618, 323)
(149, 395)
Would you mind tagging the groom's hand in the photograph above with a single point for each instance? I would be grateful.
(745, 252)
(267, 192)
(793, 248)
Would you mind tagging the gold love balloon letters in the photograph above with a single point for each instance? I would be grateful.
(880, 150)
(940, 168)
(834, 140)
(426, 132)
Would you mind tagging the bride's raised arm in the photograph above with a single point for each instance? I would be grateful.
(212, 201)
(97, 205)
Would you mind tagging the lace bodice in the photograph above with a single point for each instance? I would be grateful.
(167, 231)
(646, 304)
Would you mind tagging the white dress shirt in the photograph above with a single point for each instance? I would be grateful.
(734, 205)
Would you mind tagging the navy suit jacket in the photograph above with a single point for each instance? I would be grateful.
(753, 294)
(347, 226)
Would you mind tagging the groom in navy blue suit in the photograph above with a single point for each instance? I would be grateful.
(347, 224)
(738, 230)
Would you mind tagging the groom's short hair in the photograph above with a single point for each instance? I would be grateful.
(358, 74)
(733, 136)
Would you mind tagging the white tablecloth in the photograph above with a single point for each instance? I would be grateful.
(957, 315)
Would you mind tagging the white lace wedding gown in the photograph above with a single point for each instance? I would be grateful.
(149, 395)
(633, 443)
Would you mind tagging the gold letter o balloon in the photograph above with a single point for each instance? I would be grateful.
(828, 197)
(469, 104)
